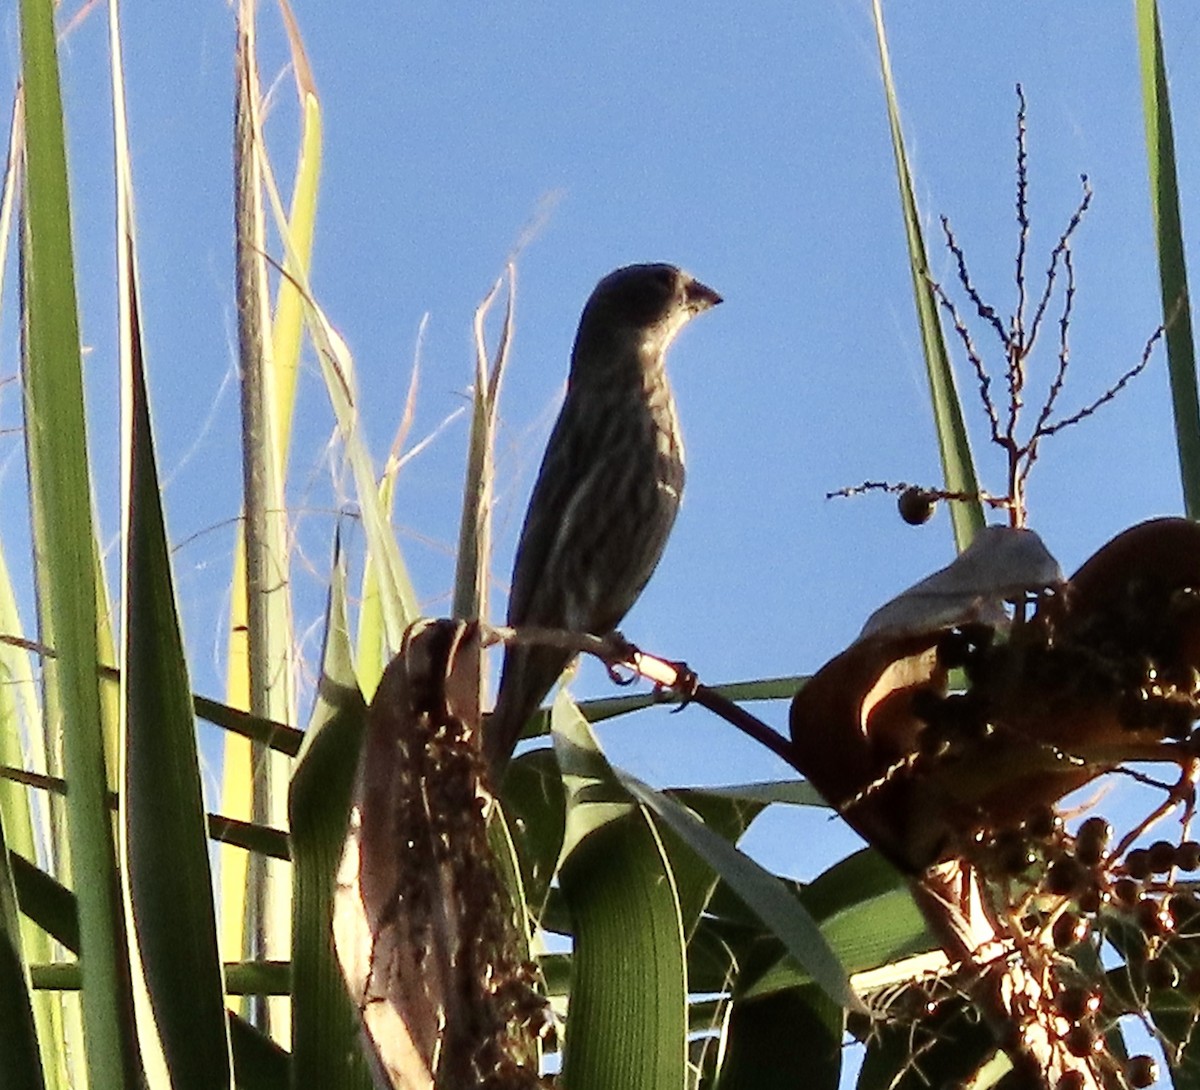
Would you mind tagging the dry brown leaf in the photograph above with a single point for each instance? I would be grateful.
(424, 929)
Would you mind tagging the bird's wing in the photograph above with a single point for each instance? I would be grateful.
(564, 464)
(598, 567)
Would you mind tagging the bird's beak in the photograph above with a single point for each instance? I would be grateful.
(701, 297)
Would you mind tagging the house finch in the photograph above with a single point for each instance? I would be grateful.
(608, 488)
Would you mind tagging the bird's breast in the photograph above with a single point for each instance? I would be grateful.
(667, 439)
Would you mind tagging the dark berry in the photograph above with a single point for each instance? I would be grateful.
(1082, 1042)
(1141, 1071)
(1152, 917)
(1137, 863)
(1077, 1002)
(1187, 856)
(955, 649)
(1126, 891)
(1069, 930)
(1044, 823)
(1162, 856)
(1065, 876)
(1184, 909)
(1092, 840)
(1014, 855)
(916, 506)
(1092, 899)
(1070, 1080)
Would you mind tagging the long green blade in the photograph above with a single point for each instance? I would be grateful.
(56, 445)
(23, 738)
(781, 1041)
(957, 464)
(163, 821)
(628, 1008)
(259, 1064)
(1168, 235)
(325, 1025)
(164, 824)
(762, 892)
(22, 1066)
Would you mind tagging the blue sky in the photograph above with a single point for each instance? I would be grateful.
(751, 148)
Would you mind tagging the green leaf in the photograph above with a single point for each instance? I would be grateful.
(785, 792)
(161, 804)
(1168, 235)
(772, 688)
(264, 839)
(535, 806)
(628, 1007)
(715, 953)
(726, 815)
(325, 1025)
(45, 901)
(866, 912)
(867, 915)
(258, 978)
(953, 443)
(60, 496)
(790, 1039)
(762, 892)
(162, 807)
(22, 1066)
(258, 1062)
(277, 736)
(21, 722)
(287, 331)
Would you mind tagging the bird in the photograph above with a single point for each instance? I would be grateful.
(608, 489)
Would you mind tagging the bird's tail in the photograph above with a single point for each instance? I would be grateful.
(528, 674)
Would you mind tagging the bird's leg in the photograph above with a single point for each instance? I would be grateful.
(676, 678)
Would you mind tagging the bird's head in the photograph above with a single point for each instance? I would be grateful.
(640, 308)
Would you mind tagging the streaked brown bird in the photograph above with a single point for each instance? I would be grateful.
(608, 488)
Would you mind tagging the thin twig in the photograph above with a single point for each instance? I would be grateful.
(931, 492)
(1056, 255)
(678, 677)
(617, 653)
(987, 313)
(1111, 392)
(1056, 386)
(867, 486)
(981, 375)
(1185, 788)
(1018, 332)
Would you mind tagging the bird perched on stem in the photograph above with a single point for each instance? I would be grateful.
(608, 488)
